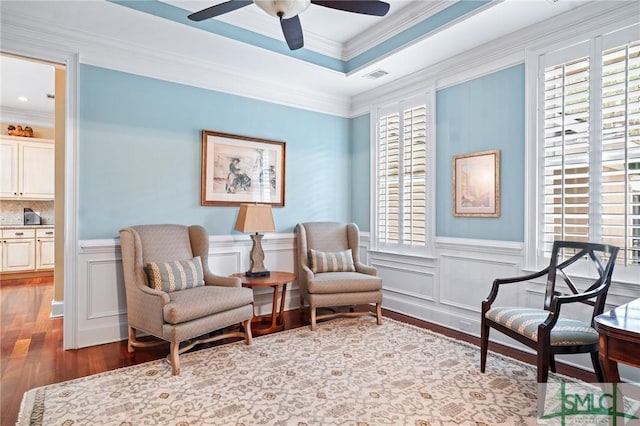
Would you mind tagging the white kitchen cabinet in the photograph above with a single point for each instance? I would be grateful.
(18, 250)
(45, 254)
(8, 169)
(27, 168)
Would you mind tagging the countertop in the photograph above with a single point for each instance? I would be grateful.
(48, 226)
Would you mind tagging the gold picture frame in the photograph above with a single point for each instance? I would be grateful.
(476, 184)
(240, 169)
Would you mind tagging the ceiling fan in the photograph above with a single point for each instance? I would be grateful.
(287, 11)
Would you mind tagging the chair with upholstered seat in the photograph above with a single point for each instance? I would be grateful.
(556, 329)
(331, 274)
(171, 293)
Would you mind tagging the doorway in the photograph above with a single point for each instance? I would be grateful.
(33, 113)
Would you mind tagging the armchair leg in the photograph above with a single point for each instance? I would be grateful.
(484, 345)
(247, 332)
(132, 340)
(543, 361)
(174, 358)
(312, 310)
(134, 343)
(379, 313)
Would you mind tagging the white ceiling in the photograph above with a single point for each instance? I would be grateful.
(24, 85)
(328, 32)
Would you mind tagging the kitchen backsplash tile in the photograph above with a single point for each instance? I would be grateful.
(12, 212)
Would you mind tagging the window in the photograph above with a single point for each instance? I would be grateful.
(590, 145)
(401, 177)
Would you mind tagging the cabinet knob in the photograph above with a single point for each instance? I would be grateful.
(49, 232)
(19, 233)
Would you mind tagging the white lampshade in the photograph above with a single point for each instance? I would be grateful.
(283, 8)
(255, 218)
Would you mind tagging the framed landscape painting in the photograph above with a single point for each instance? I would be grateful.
(476, 184)
(239, 169)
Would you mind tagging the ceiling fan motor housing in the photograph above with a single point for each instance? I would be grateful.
(284, 9)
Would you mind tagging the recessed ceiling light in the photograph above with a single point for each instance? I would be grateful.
(23, 99)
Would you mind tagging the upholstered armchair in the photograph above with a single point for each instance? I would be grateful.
(171, 293)
(330, 272)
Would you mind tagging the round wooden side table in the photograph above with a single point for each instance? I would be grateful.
(278, 280)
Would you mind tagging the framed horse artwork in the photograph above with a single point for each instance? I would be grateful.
(241, 169)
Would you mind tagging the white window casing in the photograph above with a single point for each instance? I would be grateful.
(403, 176)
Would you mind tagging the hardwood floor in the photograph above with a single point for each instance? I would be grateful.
(31, 352)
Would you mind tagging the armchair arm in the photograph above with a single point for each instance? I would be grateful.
(152, 293)
(365, 269)
(145, 308)
(561, 299)
(558, 301)
(307, 271)
(212, 279)
(500, 281)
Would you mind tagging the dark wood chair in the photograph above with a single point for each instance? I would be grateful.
(550, 331)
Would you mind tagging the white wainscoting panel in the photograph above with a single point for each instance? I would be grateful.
(102, 315)
(408, 282)
(102, 300)
(465, 281)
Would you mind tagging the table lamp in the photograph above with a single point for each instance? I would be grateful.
(256, 218)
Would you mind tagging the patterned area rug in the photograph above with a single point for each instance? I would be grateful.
(349, 372)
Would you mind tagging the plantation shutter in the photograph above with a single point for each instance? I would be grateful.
(401, 181)
(566, 152)
(620, 127)
(414, 182)
(389, 178)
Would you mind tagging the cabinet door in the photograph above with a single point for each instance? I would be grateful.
(19, 255)
(38, 171)
(8, 170)
(45, 253)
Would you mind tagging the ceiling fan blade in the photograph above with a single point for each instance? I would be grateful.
(366, 7)
(292, 30)
(219, 9)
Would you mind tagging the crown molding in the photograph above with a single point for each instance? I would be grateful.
(111, 53)
(406, 18)
(508, 50)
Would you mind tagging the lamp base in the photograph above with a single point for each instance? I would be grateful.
(258, 274)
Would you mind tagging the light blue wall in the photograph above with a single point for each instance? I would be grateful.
(140, 154)
(483, 114)
(360, 176)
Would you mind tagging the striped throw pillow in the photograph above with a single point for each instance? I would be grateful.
(338, 261)
(175, 275)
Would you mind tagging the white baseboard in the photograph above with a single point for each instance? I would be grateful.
(57, 308)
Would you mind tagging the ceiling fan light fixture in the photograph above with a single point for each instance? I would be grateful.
(284, 9)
